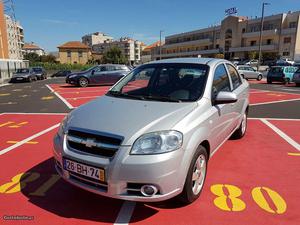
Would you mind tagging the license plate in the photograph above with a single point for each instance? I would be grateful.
(85, 170)
(19, 78)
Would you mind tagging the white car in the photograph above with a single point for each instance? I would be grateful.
(253, 62)
(249, 73)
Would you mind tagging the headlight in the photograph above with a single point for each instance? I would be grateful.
(62, 127)
(157, 143)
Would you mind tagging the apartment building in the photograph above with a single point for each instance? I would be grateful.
(33, 48)
(129, 47)
(74, 52)
(15, 38)
(236, 36)
(96, 38)
(3, 34)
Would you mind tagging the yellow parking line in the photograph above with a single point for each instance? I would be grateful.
(293, 154)
(4, 94)
(29, 142)
(18, 125)
(7, 123)
(47, 98)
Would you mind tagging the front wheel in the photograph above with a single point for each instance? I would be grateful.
(83, 82)
(259, 77)
(196, 176)
(240, 132)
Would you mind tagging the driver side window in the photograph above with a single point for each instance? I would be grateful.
(221, 81)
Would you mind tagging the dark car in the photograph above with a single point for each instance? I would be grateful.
(98, 75)
(283, 74)
(62, 73)
(23, 75)
(40, 73)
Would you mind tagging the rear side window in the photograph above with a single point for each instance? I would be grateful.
(276, 70)
(221, 81)
(235, 78)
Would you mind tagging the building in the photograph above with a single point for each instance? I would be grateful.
(236, 36)
(129, 47)
(33, 48)
(96, 38)
(74, 52)
(148, 51)
(15, 38)
(3, 34)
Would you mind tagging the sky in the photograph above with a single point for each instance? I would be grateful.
(50, 23)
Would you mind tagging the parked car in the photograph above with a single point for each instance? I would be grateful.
(101, 74)
(150, 137)
(249, 73)
(283, 74)
(284, 62)
(296, 77)
(252, 62)
(40, 73)
(23, 75)
(62, 73)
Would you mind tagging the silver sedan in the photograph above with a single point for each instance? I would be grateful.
(249, 73)
(150, 137)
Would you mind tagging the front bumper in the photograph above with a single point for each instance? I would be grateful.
(125, 173)
(19, 79)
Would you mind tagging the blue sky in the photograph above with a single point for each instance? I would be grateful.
(51, 23)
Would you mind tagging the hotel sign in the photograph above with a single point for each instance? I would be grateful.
(231, 11)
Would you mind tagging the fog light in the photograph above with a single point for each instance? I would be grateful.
(148, 190)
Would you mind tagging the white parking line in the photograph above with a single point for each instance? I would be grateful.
(272, 102)
(74, 98)
(60, 97)
(282, 134)
(125, 213)
(28, 139)
(284, 119)
(20, 113)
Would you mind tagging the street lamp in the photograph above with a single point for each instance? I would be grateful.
(160, 32)
(260, 33)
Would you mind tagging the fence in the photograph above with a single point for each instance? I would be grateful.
(9, 66)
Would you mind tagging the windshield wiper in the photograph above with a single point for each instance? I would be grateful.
(120, 94)
(161, 98)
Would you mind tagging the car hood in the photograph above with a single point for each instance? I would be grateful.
(128, 118)
(21, 75)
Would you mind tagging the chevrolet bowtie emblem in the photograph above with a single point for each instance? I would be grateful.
(90, 143)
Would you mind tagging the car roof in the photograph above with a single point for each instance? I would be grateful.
(189, 60)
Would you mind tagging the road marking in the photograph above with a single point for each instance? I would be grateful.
(20, 113)
(29, 142)
(4, 94)
(18, 125)
(28, 139)
(2, 85)
(59, 96)
(285, 89)
(293, 154)
(17, 90)
(284, 119)
(282, 134)
(271, 102)
(23, 96)
(125, 213)
(274, 94)
(8, 103)
(7, 123)
(82, 97)
(47, 98)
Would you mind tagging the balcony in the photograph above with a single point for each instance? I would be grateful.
(288, 31)
(264, 33)
(190, 53)
(254, 48)
(187, 43)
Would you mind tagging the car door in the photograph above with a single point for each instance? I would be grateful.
(222, 114)
(99, 75)
(252, 73)
(237, 88)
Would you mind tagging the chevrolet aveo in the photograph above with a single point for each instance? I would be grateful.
(150, 137)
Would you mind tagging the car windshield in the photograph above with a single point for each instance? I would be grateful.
(172, 82)
(22, 71)
(38, 70)
(276, 69)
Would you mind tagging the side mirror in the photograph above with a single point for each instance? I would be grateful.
(225, 97)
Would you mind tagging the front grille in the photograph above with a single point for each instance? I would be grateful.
(99, 185)
(93, 142)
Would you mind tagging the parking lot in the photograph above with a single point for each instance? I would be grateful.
(254, 180)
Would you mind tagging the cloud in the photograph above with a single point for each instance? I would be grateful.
(60, 22)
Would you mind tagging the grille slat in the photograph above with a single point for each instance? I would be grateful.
(92, 142)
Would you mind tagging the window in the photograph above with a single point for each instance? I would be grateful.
(287, 40)
(285, 53)
(269, 41)
(253, 43)
(235, 77)
(80, 53)
(69, 53)
(221, 81)
(292, 24)
(217, 46)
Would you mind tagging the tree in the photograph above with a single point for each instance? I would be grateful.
(48, 58)
(219, 56)
(114, 55)
(253, 55)
(32, 57)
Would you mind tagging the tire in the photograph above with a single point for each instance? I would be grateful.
(83, 82)
(297, 84)
(29, 79)
(191, 191)
(287, 81)
(269, 81)
(259, 77)
(241, 131)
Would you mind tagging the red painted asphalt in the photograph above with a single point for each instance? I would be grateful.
(78, 96)
(260, 159)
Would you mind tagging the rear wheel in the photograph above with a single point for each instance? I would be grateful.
(196, 176)
(259, 77)
(240, 132)
(287, 81)
(83, 82)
